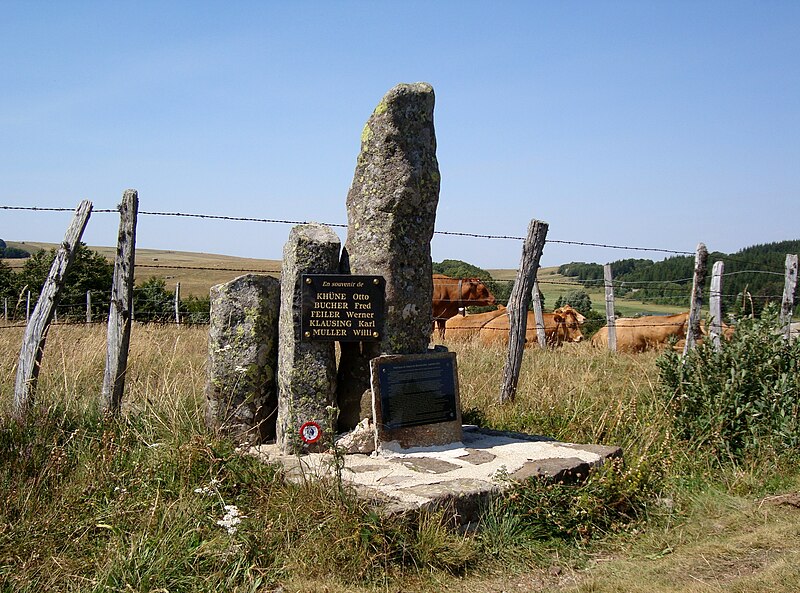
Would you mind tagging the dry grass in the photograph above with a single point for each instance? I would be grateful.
(155, 262)
(65, 526)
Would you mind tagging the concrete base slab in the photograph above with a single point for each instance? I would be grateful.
(462, 477)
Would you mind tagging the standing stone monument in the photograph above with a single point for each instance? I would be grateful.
(391, 211)
(241, 393)
(306, 368)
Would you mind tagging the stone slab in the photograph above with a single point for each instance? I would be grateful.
(461, 477)
(432, 377)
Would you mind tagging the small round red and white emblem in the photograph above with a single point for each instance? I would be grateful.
(310, 432)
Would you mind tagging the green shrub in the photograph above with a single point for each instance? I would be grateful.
(613, 499)
(741, 398)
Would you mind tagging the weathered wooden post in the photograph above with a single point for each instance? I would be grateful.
(715, 304)
(5, 309)
(28, 307)
(178, 303)
(611, 318)
(120, 311)
(538, 315)
(698, 283)
(30, 355)
(787, 304)
(88, 306)
(518, 307)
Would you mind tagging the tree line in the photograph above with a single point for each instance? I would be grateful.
(92, 272)
(753, 277)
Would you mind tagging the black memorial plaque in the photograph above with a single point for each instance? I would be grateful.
(417, 392)
(341, 307)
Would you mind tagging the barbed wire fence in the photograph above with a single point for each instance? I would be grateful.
(91, 310)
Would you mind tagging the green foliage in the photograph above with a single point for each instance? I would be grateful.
(8, 284)
(11, 252)
(196, 309)
(455, 268)
(740, 399)
(612, 499)
(594, 321)
(91, 505)
(153, 302)
(89, 271)
(577, 299)
(582, 271)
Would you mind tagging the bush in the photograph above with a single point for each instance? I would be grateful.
(741, 398)
(153, 302)
(577, 299)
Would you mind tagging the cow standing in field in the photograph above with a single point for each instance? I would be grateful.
(452, 294)
(562, 325)
(637, 334)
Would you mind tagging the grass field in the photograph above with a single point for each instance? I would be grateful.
(553, 285)
(197, 272)
(134, 504)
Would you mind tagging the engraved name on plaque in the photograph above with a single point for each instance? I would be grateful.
(341, 307)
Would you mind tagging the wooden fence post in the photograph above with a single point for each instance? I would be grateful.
(28, 307)
(30, 356)
(88, 306)
(611, 322)
(5, 309)
(538, 315)
(518, 307)
(120, 312)
(698, 282)
(178, 303)
(787, 304)
(715, 304)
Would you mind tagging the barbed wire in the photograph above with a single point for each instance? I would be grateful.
(339, 225)
(209, 268)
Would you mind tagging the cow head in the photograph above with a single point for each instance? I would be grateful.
(567, 309)
(567, 325)
(475, 293)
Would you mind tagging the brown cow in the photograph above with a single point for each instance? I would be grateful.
(637, 334)
(464, 327)
(452, 294)
(562, 325)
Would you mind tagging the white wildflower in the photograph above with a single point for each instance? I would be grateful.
(209, 490)
(231, 519)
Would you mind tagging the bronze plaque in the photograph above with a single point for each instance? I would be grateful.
(341, 307)
(418, 390)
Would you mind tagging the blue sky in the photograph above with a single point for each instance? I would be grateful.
(652, 124)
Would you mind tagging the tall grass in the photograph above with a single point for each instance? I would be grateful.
(150, 502)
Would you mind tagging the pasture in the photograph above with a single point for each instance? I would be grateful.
(145, 503)
(197, 272)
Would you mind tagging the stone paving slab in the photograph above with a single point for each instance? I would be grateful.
(463, 476)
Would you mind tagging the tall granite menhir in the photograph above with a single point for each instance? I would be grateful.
(306, 369)
(241, 393)
(391, 212)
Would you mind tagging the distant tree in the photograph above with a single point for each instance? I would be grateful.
(90, 271)
(12, 252)
(15, 253)
(577, 299)
(8, 281)
(582, 271)
(196, 309)
(153, 302)
(455, 268)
